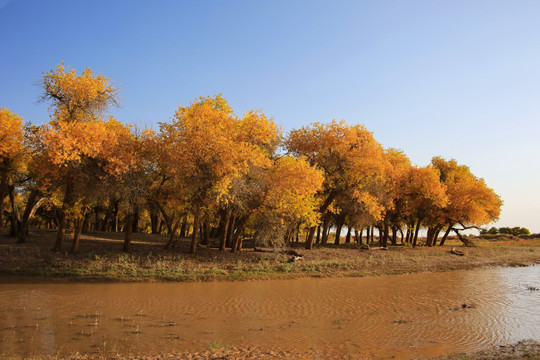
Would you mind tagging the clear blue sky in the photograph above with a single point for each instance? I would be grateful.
(460, 79)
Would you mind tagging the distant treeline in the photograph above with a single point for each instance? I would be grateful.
(516, 231)
(211, 174)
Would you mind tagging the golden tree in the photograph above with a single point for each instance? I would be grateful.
(13, 153)
(77, 147)
(205, 154)
(422, 196)
(471, 203)
(352, 160)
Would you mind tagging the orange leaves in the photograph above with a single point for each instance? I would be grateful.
(11, 136)
(69, 143)
(291, 185)
(352, 160)
(470, 201)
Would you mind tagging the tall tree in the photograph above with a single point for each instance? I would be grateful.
(76, 134)
(471, 203)
(352, 161)
(206, 155)
(13, 154)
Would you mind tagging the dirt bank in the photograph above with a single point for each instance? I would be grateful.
(100, 259)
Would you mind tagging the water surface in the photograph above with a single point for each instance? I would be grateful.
(402, 315)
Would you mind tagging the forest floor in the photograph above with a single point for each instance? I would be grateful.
(100, 258)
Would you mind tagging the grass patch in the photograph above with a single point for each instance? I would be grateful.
(100, 259)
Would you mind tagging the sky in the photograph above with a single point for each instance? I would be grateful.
(457, 79)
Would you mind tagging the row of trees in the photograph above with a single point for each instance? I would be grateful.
(220, 174)
(517, 230)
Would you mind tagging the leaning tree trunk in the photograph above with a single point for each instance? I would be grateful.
(172, 232)
(31, 206)
(237, 240)
(77, 234)
(447, 232)
(230, 231)
(322, 210)
(463, 239)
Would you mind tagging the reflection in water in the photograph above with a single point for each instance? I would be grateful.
(403, 316)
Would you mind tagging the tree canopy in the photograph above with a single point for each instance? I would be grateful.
(215, 175)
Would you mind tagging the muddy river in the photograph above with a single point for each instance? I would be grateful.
(403, 316)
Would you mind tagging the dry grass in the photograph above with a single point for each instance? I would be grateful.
(100, 259)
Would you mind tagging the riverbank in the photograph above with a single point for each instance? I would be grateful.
(100, 259)
(527, 349)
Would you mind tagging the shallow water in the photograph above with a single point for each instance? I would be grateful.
(402, 315)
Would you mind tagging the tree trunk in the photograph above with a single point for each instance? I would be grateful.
(447, 232)
(325, 228)
(32, 205)
(436, 235)
(105, 226)
(205, 227)
(224, 230)
(463, 239)
(237, 240)
(368, 234)
(128, 229)
(115, 215)
(16, 223)
(348, 236)
(136, 219)
(77, 234)
(155, 218)
(96, 218)
(62, 216)
(184, 227)
(3, 194)
(322, 210)
(230, 231)
(309, 238)
(340, 220)
(429, 236)
(394, 235)
(318, 239)
(172, 232)
(385, 233)
(416, 229)
(194, 236)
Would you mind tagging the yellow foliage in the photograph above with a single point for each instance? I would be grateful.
(77, 97)
(291, 187)
(11, 136)
(470, 200)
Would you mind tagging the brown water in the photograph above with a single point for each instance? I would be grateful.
(403, 316)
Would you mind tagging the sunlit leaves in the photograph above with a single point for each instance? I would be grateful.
(76, 97)
(470, 200)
